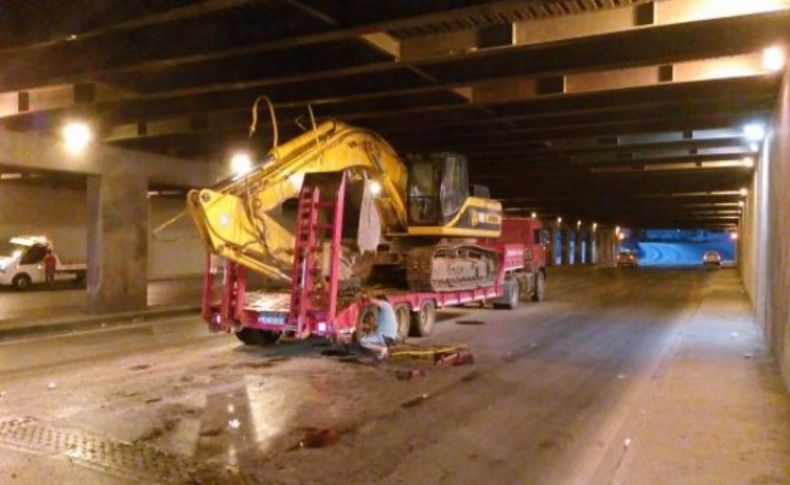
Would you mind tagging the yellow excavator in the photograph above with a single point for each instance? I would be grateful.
(420, 220)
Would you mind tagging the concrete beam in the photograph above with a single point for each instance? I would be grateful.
(40, 152)
(662, 13)
(529, 87)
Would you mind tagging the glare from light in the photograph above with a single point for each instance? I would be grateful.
(754, 131)
(594, 226)
(741, 204)
(241, 163)
(76, 135)
(744, 192)
(617, 229)
(534, 215)
(559, 221)
(621, 236)
(375, 187)
(578, 223)
(754, 147)
(733, 236)
(774, 58)
(748, 162)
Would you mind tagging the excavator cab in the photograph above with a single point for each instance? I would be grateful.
(437, 188)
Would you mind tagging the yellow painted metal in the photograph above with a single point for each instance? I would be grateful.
(234, 218)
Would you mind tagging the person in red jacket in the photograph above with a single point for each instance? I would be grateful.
(49, 266)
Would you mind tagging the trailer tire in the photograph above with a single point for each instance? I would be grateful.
(422, 321)
(540, 287)
(403, 316)
(510, 294)
(22, 282)
(255, 336)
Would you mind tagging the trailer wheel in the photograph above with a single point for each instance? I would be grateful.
(22, 282)
(510, 293)
(403, 316)
(422, 321)
(540, 287)
(254, 336)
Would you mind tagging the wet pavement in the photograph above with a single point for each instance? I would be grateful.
(582, 388)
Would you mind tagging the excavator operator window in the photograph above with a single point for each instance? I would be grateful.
(424, 184)
(437, 188)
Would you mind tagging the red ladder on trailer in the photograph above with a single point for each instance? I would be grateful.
(314, 286)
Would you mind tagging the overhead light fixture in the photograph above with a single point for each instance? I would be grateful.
(733, 236)
(617, 229)
(534, 215)
(754, 131)
(748, 162)
(621, 236)
(241, 163)
(743, 192)
(774, 58)
(741, 204)
(594, 226)
(578, 223)
(559, 221)
(375, 187)
(76, 136)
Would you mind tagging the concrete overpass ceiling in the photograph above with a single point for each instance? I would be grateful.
(605, 110)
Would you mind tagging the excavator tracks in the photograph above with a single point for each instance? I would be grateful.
(449, 267)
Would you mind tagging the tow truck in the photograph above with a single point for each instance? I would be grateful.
(22, 263)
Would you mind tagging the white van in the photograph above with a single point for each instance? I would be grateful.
(22, 263)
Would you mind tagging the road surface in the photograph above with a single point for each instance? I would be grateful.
(621, 376)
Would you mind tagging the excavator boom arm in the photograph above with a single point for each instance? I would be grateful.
(235, 218)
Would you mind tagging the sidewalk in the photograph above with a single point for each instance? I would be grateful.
(716, 411)
(64, 309)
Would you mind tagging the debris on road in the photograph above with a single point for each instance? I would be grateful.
(415, 401)
(318, 437)
(461, 357)
(408, 374)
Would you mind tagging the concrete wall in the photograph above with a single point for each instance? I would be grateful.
(176, 250)
(60, 214)
(765, 235)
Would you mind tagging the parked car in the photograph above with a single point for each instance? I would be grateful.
(22, 263)
(711, 259)
(627, 258)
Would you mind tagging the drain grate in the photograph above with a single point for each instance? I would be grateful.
(91, 450)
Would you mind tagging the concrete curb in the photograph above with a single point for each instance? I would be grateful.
(66, 324)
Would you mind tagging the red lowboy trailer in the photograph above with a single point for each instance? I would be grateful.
(316, 305)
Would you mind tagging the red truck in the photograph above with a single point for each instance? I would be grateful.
(316, 305)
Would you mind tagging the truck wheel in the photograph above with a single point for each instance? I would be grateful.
(403, 315)
(22, 282)
(510, 293)
(540, 287)
(254, 336)
(422, 321)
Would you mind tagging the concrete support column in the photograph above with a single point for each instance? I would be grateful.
(551, 253)
(117, 242)
(566, 246)
(589, 248)
(577, 247)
